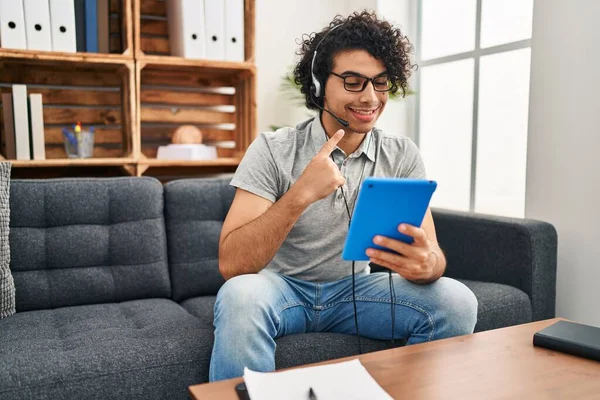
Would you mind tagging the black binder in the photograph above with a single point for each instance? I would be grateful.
(570, 337)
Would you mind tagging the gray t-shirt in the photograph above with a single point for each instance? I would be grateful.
(274, 161)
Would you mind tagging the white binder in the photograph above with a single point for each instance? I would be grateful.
(62, 22)
(234, 30)
(37, 25)
(186, 28)
(36, 124)
(21, 120)
(12, 25)
(214, 14)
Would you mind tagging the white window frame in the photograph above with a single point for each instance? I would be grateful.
(476, 55)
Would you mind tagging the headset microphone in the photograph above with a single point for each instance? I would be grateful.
(341, 121)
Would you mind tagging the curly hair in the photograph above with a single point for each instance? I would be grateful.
(359, 31)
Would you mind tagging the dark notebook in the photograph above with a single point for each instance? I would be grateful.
(569, 337)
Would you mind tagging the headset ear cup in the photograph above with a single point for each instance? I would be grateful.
(316, 88)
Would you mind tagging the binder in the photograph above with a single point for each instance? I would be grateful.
(214, 14)
(103, 26)
(12, 25)
(21, 120)
(234, 30)
(80, 25)
(572, 338)
(62, 22)
(91, 26)
(37, 25)
(36, 125)
(186, 28)
(9, 126)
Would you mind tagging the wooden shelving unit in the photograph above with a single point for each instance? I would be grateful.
(136, 96)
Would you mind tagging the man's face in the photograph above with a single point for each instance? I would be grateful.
(360, 109)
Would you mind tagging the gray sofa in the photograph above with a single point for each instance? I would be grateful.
(116, 280)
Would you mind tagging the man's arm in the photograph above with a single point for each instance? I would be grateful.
(255, 228)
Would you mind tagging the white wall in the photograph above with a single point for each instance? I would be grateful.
(399, 115)
(563, 185)
(279, 24)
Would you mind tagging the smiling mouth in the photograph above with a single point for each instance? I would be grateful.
(364, 112)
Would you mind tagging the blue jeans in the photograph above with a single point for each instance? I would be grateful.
(252, 310)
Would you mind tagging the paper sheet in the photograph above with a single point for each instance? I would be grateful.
(345, 380)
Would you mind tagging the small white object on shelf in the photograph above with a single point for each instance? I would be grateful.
(187, 152)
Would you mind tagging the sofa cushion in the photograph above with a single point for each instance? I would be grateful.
(139, 349)
(203, 308)
(87, 241)
(306, 348)
(194, 213)
(499, 305)
(7, 285)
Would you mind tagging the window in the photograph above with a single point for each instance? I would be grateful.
(473, 99)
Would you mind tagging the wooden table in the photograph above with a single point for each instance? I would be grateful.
(497, 364)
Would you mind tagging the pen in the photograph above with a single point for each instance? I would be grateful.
(311, 394)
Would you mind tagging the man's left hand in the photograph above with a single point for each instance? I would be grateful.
(418, 262)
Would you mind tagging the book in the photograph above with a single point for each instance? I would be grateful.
(103, 26)
(187, 152)
(570, 337)
(21, 122)
(9, 127)
(36, 127)
(80, 25)
(91, 26)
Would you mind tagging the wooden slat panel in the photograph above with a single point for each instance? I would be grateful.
(184, 98)
(184, 78)
(165, 133)
(41, 75)
(115, 6)
(186, 115)
(154, 27)
(59, 152)
(115, 44)
(153, 7)
(81, 97)
(86, 116)
(155, 45)
(150, 151)
(54, 135)
(114, 26)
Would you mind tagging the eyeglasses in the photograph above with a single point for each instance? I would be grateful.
(355, 83)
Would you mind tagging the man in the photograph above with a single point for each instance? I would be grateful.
(281, 243)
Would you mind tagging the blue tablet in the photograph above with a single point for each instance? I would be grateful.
(382, 205)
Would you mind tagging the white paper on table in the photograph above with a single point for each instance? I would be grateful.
(347, 380)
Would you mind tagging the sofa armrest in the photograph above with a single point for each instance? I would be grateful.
(518, 252)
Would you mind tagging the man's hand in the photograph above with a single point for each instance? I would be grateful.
(418, 262)
(321, 177)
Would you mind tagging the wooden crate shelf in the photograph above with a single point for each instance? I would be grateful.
(136, 96)
(94, 92)
(72, 162)
(56, 58)
(151, 36)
